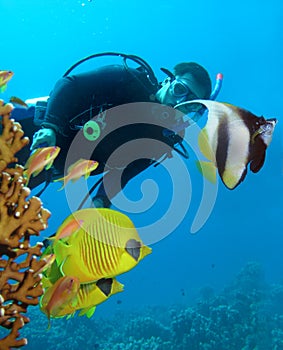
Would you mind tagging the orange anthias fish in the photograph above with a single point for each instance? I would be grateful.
(81, 168)
(69, 226)
(63, 292)
(40, 159)
(5, 76)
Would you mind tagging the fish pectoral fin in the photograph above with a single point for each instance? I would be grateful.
(256, 165)
(62, 264)
(36, 173)
(257, 160)
(87, 175)
(75, 179)
(61, 251)
(49, 165)
(207, 169)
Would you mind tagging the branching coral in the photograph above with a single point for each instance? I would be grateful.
(20, 218)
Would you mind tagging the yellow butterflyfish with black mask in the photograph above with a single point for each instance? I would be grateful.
(232, 139)
(90, 295)
(106, 245)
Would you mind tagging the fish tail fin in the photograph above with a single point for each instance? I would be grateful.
(145, 251)
(26, 176)
(207, 169)
(117, 287)
(49, 323)
(65, 179)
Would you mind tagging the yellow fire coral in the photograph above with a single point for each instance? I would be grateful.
(20, 218)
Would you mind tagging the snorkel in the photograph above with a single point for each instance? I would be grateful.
(213, 95)
(217, 86)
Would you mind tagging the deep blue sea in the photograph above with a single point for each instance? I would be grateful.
(218, 288)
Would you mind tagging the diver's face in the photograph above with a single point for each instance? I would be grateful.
(176, 91)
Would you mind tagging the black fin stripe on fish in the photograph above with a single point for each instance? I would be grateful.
(222, 145)
(133, 247)
(232, 154)
(105, 285)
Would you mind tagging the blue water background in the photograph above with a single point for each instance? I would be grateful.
(243, 40)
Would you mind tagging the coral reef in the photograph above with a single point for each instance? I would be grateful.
(20, 218)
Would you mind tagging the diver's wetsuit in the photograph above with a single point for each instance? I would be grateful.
(77, 98)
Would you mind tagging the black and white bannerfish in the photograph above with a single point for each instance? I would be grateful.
(232, 139)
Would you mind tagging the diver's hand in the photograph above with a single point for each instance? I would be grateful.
(43, 138)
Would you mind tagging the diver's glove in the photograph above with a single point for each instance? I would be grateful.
(43, 138)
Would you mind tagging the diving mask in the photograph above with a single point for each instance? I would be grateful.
(179, 89)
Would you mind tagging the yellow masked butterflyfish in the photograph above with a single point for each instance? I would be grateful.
(107, 244)
(90, 295)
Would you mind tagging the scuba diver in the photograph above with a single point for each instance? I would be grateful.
(82, 103)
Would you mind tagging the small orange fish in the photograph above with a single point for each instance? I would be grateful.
(81, 168)
(40, 159)
(68, 227)
(63, 292)
(17, 101)
(5, 76)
